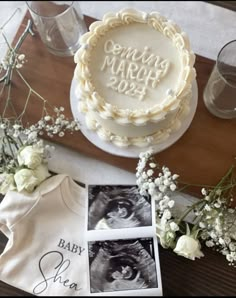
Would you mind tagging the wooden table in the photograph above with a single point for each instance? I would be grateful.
(202, 156)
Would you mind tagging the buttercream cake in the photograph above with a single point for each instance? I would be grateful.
(134, 74)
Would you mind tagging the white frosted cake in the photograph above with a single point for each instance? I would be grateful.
(134, 77)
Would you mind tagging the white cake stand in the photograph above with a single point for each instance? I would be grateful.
(131, 151)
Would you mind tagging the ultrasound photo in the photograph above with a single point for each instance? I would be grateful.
(117, 207)
(122, 265)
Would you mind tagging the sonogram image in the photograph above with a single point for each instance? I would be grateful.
(122, 265)
(117, 206)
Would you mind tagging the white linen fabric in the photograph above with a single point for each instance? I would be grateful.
(46, 252)
(208, 26)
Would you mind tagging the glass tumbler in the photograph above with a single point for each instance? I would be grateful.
(60, 25)
(220, 92)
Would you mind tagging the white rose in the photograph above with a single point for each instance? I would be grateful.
(6, 183)
(188, 247)
(41, 173)
(26, 180)
(30, 157)
(165, 235)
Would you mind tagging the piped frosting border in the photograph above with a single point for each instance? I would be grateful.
(82, 73)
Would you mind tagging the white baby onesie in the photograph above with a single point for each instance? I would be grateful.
(46, 251)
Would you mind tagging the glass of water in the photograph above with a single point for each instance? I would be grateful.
(59, 24)
(220, 92)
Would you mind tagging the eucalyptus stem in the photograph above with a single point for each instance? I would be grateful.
(10, 148)
(4, 154)
(20, 141)
(229, 172)
(13, 142)
(194, 184)
(8, 100)
(232, 224)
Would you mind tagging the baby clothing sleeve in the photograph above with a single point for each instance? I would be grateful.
(13, 207)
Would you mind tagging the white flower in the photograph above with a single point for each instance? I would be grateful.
(26, 180)
(227, 239)
(16, 126)
(212, 219)
(3, 126)
(32, 136)
(207, 207)
(217, 205)
(232, 246)
(47, 118)
(21, 57)
(188, 247)
(151, 185)
(166, 237)
(166, 214)
(150, 172)
(171, 203)
(163, 204)
(175, 176)
(209, 243)
(173, 226)
(144, 175)
(162, 188)
(221, 241)
(157, 181)
(19, 65)
(41, 173)
(30, 157)
(167, 182)
(152, 165)
(167, 173)
(6, 183)
(230, 258)
(213, 235)
(202, 225)
(173, 187)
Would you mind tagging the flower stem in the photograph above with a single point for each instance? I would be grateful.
(188, 210)
(10, 148)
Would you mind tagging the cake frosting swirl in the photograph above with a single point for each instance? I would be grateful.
(134, 77)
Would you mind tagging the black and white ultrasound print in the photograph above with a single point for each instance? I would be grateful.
(117, 207)
(122, 265)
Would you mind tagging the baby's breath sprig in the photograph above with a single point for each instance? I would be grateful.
(213, 220)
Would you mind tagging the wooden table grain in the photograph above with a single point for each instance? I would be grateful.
(202, 156)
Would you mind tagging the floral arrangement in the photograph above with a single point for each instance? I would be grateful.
(213, 219)
(23, 155)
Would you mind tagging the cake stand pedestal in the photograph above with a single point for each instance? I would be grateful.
(131, 151)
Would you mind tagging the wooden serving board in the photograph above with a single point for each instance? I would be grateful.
(201, 156)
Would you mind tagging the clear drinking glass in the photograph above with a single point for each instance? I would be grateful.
(220, 92)
(60, 25)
